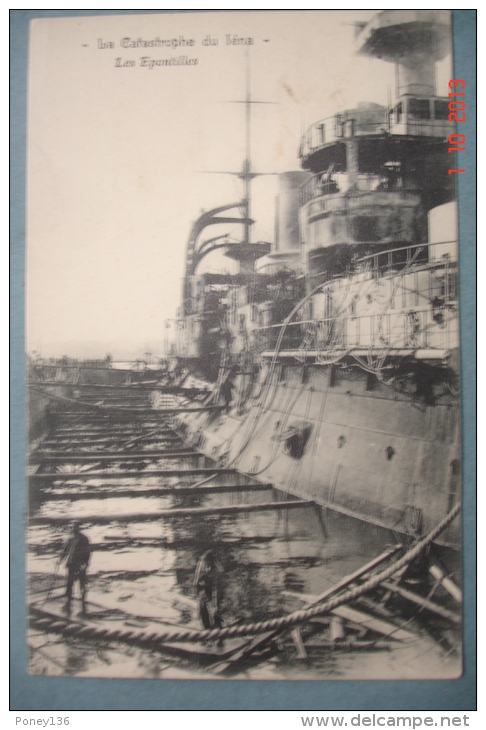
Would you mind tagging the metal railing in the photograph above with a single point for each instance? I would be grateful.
(366, 123)
(316, 189)
(419, 310)
(420, 328)
(383, 262)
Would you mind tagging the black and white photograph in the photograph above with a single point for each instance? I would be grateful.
(242, 345)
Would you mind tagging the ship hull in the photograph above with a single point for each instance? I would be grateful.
(382, 456)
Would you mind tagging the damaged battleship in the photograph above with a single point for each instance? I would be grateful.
(314, 397)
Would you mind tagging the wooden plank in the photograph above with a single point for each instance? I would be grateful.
(108, 441)
(377, 608)
(58, 476)
(298, 643)
(107, 429)
(176, 512)
(248, 648)
(93, 416)
(84, 457)
(113, 397)
(362, 619)
(304, 597)
(134, 439)
(337, 629)
(200, 482)
(69, 494)
(126, 388)
(345, 582)
(423, 602)
(446, 582)
(116, 620)
(153, 412)
(379, 645)
(375, 624)
(90, 431)
(260, 641)
(210, 651)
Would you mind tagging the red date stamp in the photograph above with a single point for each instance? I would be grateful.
(457, 113)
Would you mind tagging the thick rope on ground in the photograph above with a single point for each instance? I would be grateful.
(258, 627)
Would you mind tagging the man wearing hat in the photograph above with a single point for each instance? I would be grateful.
(77, 553)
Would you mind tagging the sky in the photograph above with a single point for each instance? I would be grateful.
(119, 155)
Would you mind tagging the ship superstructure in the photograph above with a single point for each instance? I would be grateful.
(341, 348)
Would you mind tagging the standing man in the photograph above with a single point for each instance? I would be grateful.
(226, 391)
(77, 553)
(206, 581)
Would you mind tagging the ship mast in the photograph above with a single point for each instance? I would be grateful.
(247, 165)
(247, 252)
(244, 252)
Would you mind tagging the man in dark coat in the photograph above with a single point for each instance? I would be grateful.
(206, 581)
(227, 389)
(77, 553)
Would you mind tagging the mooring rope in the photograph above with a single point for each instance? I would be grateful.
(46, 622)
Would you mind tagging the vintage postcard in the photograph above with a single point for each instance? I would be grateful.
(242, 338)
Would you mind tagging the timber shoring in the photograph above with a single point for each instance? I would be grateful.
(84, 456)
(100, 493)
(124, 389)
(130, 411)
(66, 476)
(175, 512)
(111, 441)
(54, 624)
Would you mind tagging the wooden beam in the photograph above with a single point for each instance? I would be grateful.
(347, 580)
(327, 646)
(124, 389)
(424, 603)
(131, 411)
(83, 457)
(87, 431)
(69, 494)
(108, 440)
(337, 628)
(375, 624)
(446, 582)
(58, 476)
(261, 640)
(361, 619)
(298, 643)
(109, 397)
(165, 514)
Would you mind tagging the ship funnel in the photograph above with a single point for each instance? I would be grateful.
(287, 212)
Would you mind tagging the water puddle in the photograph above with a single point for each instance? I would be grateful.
(142, 570)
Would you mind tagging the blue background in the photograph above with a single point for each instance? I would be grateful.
(50, 693)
